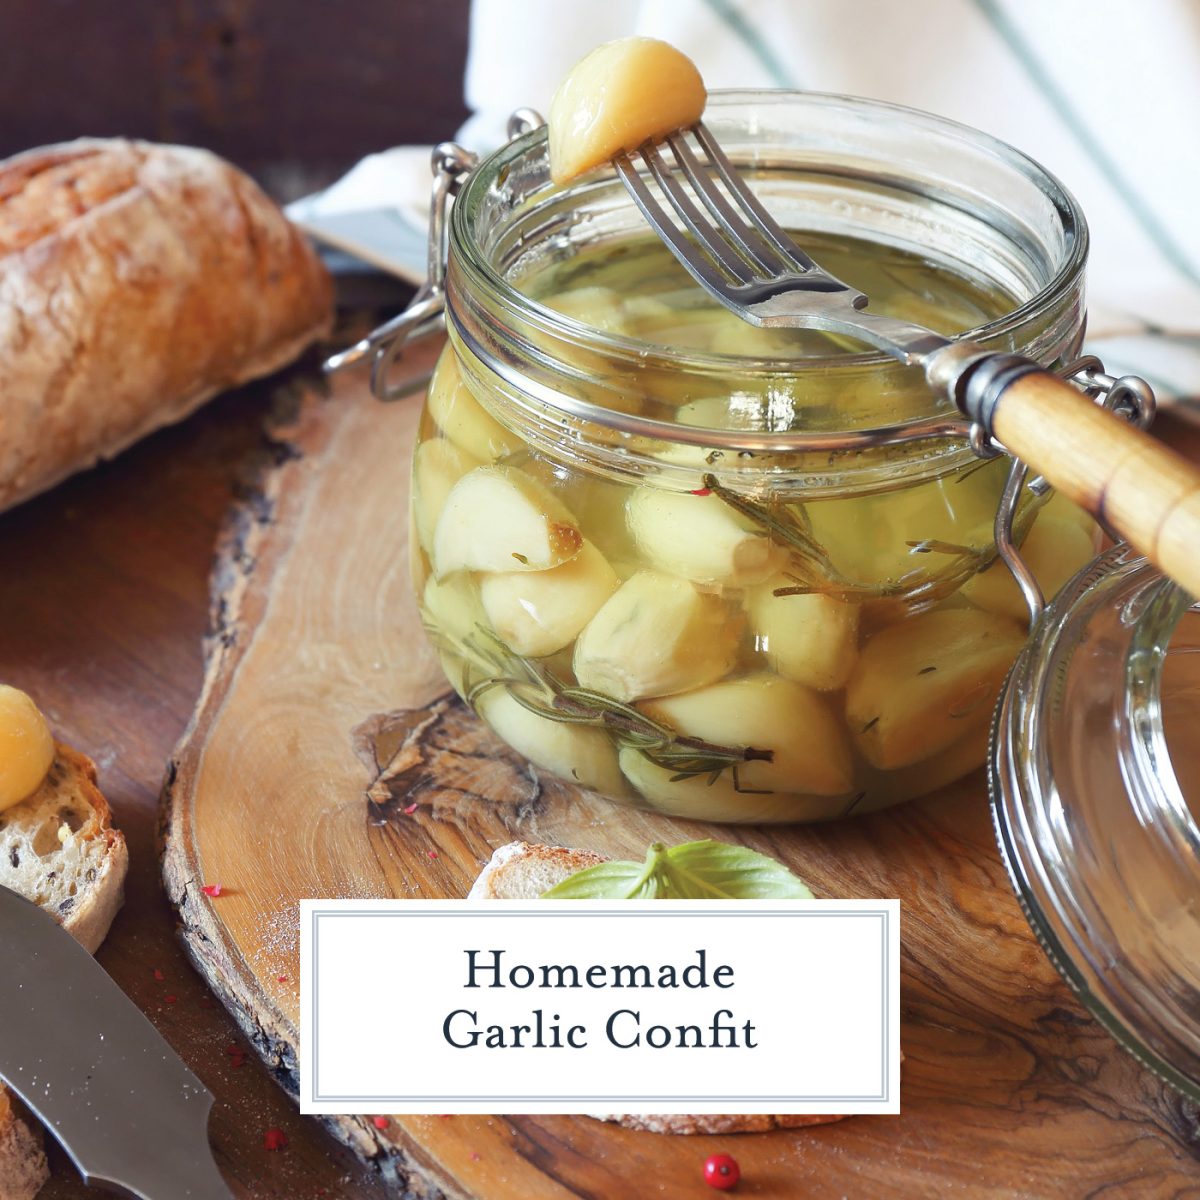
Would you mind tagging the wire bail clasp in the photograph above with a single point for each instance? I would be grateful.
(452, 165)
(1128, 396)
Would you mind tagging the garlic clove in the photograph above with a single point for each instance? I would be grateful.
(656, 635)
(700, 538)
(26, 747)
(808, 637)
(809, 747)
(620, 95)
(922, 684)
(696, 798)
(1054, 549)
(462, 418)
(540, 612)
(500, 519)
(577, 753)
(438, 465)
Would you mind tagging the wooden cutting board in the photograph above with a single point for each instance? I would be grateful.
(324, 718)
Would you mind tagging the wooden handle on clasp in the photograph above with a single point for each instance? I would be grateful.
(1145, 491)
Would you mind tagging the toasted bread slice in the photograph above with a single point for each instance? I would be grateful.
(520, 871)
(58, 849)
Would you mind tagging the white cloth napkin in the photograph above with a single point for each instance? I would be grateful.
(1104, 92)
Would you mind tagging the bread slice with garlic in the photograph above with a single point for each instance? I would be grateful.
(59, 849)
(523, 871)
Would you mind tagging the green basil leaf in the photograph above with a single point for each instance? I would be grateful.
(704, 870)
(606, 881)
(711, 870)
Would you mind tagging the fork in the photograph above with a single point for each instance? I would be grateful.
(722, 234)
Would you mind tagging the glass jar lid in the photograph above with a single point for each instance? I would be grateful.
(1094, 775)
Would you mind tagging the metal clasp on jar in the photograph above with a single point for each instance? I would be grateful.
(1129, 396)
(425, 314)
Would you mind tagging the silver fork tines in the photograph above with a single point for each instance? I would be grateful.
(737, 251)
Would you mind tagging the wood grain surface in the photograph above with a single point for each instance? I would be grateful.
(323, 718)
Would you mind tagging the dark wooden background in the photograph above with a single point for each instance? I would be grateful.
(294, 91)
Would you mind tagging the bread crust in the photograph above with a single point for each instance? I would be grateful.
(89, 921)
(509, 871)
(136, 282)
(23, 1167)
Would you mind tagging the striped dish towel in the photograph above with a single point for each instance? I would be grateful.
(1104, 92)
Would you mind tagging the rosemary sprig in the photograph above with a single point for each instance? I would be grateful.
(492, 663)
(812, 570)
(783, 526)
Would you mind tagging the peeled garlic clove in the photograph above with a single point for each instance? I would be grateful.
(451, 606)
(810, 751)
(539, 612)
(875, 538)
(419, 569)
(748, 341)
(646, 315)
(597, 307)
(437, 466)
(622, 94)
(500, 519)
(1062, 509)
(810, 638)
(26, 747)
(700, 538)
(923, 683)
(462, 418)
(1054, 550)
(696, 798)
(578, 753)
(655, 635)
(928, 775)
(699, 459)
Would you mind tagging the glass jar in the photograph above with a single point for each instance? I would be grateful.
(797, 619)
(1095, 780)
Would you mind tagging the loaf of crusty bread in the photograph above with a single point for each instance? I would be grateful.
(136, 281)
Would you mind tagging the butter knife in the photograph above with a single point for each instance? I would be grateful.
(78, 1052)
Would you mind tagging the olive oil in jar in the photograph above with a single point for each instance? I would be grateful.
(635, 288)
(699, 649)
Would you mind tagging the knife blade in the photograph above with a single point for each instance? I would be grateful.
(93, 1068)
